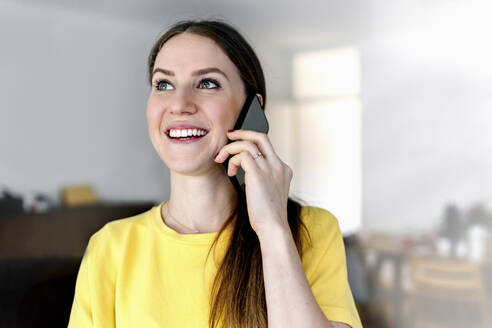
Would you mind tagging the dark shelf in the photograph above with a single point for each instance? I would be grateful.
(40, 254)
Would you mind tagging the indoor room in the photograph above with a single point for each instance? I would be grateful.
(380, 109)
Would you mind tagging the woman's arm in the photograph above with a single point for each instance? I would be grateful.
(290, 301)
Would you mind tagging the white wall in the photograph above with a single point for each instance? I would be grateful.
(72, 105)
(427, 100)
(425, 91)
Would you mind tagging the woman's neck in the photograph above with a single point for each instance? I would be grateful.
(202, 203)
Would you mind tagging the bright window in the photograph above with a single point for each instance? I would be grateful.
(326, 127)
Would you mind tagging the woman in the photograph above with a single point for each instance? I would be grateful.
(155, 270)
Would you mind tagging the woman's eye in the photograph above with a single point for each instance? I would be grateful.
(163, 85)
(209, 84)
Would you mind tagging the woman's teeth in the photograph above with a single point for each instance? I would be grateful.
(186, 133)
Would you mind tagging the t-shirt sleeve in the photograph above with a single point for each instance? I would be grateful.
(93, 303)
(328, 275)
(81, 315)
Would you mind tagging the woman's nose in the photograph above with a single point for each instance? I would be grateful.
(182, 102)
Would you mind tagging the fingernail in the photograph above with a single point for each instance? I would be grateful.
(216, 155)
(230, 130)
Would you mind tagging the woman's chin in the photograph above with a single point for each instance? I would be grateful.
(192, 167)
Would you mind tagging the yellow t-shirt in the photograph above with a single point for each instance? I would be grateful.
(138, 272)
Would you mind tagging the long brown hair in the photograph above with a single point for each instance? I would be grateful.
(237, 297)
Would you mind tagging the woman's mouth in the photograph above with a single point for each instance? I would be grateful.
(184, 136)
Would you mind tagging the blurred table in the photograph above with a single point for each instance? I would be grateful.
(397, 250)
(387, 248)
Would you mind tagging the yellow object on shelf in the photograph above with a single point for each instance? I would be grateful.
(78, 195)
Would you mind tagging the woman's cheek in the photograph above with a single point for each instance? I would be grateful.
(154, 114)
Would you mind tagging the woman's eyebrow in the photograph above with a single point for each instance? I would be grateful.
(194, 73)
(163, 71)
(209, 70)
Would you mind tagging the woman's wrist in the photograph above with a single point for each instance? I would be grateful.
(273, 233)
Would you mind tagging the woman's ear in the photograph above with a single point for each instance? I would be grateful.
(261, 99)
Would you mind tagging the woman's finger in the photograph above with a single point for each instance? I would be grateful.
(242, 146)
(244, 160)
(260, 139)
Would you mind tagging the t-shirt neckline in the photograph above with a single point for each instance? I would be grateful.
(205, 238)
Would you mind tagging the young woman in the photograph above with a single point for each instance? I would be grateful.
(274, 262)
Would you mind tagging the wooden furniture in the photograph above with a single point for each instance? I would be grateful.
(61, 233)
(448, 293)
(40, 256)
(385, 248)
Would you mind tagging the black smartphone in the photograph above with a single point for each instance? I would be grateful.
(251, 117)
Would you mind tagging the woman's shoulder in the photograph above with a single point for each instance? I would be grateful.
(120, 229)
(322, 228)
(319, 220)
(108, 246)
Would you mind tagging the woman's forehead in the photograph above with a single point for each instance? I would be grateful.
(188, 52)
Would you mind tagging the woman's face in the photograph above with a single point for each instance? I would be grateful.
(193, 82)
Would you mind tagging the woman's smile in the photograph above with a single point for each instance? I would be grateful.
(183, 133)
(185, 136)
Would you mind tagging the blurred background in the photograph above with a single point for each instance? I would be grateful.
(382, 109)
